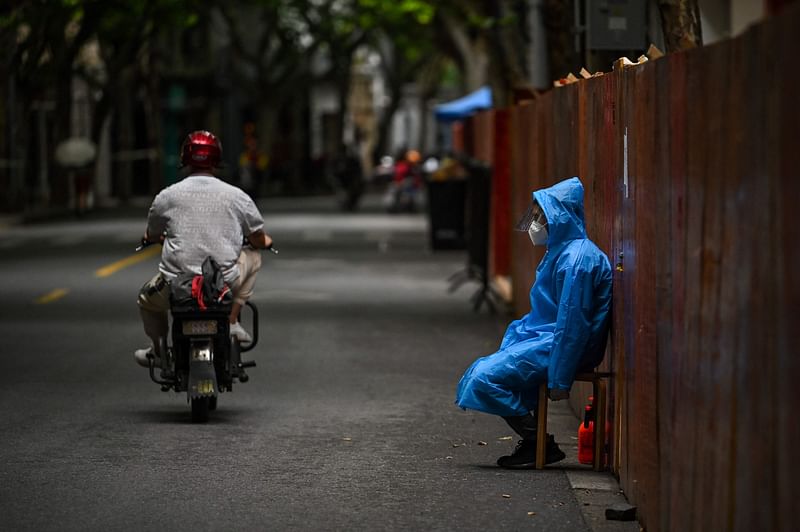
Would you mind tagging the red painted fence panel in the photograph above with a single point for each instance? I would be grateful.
(689, 165)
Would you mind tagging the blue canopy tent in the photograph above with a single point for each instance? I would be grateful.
(465, 106)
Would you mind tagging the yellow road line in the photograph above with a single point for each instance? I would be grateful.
(114, 267)
(55, 295)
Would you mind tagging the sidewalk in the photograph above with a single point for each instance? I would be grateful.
(595, 491)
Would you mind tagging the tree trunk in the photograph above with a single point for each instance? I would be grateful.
(153, 121)
(266, 126)
(476, 67)
(61, 126)
(473, 54)
(343, 76)
(507, 50)
(385, 122)
(297, 147)
(558, 19)
(155, 141)
(125, 133)
(680, 20)
(17, 145)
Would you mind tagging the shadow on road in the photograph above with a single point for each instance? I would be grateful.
(178, 416)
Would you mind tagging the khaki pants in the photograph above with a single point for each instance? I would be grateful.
(153, 297)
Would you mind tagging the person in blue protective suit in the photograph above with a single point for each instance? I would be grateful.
(565, 331)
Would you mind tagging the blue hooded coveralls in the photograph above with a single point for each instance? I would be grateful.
(567, 327)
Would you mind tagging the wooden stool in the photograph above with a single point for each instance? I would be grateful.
(599, 388)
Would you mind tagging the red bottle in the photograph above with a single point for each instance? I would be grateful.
(586, 436)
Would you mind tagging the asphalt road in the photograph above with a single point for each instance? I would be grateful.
(347, 422)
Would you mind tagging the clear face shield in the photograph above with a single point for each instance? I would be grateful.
(534, 222)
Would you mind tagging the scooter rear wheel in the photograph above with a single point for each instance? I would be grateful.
(200, 407)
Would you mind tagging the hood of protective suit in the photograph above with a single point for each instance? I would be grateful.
(563, 206)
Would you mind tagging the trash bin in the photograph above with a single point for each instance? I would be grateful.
(476, 235)
(446, 208)
(476, 218)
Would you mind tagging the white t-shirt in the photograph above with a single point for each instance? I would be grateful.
(201, 217)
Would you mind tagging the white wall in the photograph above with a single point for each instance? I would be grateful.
(405, 123)
(323, 100)
(723, 19)
(744, 13)
(537, 50)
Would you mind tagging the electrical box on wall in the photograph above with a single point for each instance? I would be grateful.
(616, 24)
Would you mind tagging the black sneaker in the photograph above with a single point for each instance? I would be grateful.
(524, 455)
(552, 452)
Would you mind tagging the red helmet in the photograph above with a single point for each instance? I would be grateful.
(201, 149)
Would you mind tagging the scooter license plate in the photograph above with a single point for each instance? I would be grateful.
(198, 327)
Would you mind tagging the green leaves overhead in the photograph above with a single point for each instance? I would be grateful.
(275, 38)
(377, 11)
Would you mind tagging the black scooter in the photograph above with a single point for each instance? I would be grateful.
(203, 360)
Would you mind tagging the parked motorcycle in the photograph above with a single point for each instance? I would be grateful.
(203, 359)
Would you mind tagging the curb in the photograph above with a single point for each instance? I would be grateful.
(595, 491)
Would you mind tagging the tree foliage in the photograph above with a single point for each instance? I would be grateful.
(681, 24)
(48, 36)
(274, 50)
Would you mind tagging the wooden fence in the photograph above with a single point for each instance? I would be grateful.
(689, 168)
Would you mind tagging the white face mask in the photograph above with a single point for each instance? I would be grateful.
(538, 234)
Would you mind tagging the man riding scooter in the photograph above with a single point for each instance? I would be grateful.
(200, 217)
